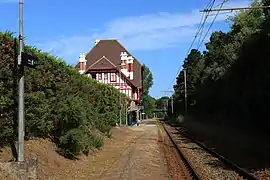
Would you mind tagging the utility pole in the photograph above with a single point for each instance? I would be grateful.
(126, 112)
(234, 9)
(172, 104)
(20, 147)
(163, 106)
(120, 102)
(171, 99)
(167, 104)
(185, 80)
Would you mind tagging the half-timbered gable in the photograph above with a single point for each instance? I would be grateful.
(109, 62)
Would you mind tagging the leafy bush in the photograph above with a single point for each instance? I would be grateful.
(73, 142)
(97, 141)
(60, 103)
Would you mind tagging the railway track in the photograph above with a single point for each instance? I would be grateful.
(242, 172)
(186, 168)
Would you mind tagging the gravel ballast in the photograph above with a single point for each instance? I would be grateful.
(208, 166)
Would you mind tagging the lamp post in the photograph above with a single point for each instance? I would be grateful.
(185, 81)
(21, 89)
(120, 99)
(126, 112)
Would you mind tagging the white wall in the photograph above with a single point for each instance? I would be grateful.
(125, 87)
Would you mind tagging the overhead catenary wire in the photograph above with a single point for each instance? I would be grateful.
(201, 31)
(218, 5)
(210, 5)
(202, 23)
(224, 1)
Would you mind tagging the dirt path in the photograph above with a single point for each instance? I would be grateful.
(141, 159)
(133, 153)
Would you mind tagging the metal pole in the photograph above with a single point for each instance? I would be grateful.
(172, 104)
(164, 109)
(120, 113)
(185, 78)
(137, 117)
(167, 105)
(21, 89)
(234, 9)
(126, 113)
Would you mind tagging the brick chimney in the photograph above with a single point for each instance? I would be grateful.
(82, 62)
(131, 68)
(124, 67)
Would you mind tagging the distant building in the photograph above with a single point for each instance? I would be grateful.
(110, 63)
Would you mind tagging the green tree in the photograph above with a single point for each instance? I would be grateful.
(162, 104)
(148, 101)
(150, 105)
(147, 79)
(231, 76)
(194, 65)
(60, 103)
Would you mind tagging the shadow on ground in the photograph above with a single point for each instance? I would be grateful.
(247, 150)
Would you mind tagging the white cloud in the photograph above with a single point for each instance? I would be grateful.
(146, 32)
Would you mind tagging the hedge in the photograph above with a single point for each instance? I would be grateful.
(60, 103)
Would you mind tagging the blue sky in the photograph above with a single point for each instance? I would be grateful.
(157, 32)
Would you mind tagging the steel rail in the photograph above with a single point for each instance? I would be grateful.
(193, 172)
(242, 172)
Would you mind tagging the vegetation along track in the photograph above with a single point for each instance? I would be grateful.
(187, 171)
(242, 172)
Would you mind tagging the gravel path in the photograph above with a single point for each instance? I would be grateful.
(208, 166)
(263, 174)
(142, 159)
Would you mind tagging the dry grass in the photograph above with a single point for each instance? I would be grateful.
(53, 166)
(125, 147)
(5, 175)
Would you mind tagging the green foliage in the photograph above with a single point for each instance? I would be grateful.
(149, 104)
(147, 79)
(148, 101)
(232, 76)
(60, 103)
(98, 142)
(7, 85)
(74, 142)
(161, 104)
